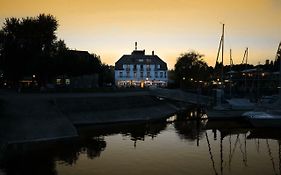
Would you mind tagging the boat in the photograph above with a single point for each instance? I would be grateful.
(268, 133)
(226, 114)
(259, 119)
(268, 114)
(232, 108)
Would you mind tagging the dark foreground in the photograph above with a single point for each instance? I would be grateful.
(179, 147)
(39, 117)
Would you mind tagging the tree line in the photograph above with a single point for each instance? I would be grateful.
(191, 69)
(29, 46)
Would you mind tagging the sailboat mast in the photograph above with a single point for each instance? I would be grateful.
(222, 52)
(230, 75)
(278, 55)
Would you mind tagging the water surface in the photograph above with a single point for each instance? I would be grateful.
(182, 147)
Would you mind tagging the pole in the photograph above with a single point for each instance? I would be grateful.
(222, 52)
(278, 55)
(230, 75)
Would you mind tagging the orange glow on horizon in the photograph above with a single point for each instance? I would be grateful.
(170, 27)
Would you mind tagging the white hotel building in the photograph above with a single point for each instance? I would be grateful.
(141, 70)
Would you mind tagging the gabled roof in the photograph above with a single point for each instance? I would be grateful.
(80, 53)
(139, 57)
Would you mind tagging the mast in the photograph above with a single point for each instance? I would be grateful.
(278, 56)
(245, 61)
(221, 49)
(222, 52)
(230, 76)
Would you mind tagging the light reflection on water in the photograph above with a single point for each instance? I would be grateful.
(181, 147)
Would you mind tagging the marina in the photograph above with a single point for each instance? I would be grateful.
(140, 87)
(209, 147)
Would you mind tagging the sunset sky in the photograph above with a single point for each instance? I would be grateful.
(109, 28)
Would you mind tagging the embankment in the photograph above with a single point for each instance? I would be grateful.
(33, 117)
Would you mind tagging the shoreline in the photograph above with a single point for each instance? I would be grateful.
(41, 117)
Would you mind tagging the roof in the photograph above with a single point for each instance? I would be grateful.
(231, 72)
(249, 70)
(80, 53)
(139, 57)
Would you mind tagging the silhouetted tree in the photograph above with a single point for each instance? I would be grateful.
(107, 75)
(27, 47)
(190, 67)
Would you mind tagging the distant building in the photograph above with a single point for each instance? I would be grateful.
(87, 80)
(141, 70)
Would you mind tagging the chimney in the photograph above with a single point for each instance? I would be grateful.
(136, 45)
(267, 62)
(153, 52)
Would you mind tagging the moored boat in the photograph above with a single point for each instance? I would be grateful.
(264, 119)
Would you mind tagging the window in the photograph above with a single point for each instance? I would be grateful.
(141, 74)
(148, 74)
(67, 81)
(135, 74)
(156, 74)
(59, 82)
(165, 74)
(148, 67)
(161, 74)
(158, 66)
(128, 68)
(120, 74)
(128, 74)
(141, 66)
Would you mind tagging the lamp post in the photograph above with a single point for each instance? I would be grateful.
(182, 82)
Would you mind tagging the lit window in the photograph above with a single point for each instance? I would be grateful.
(67, 81)
(58, 81)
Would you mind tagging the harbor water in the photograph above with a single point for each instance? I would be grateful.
(164, 147)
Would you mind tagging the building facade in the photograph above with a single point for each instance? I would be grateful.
(140, 70)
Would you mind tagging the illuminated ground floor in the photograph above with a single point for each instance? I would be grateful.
(142, 83)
